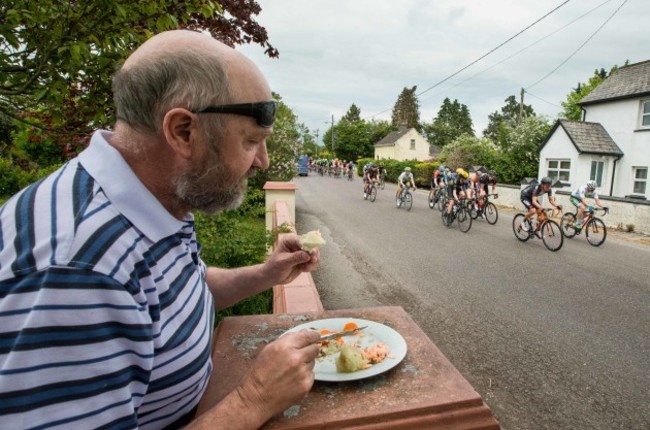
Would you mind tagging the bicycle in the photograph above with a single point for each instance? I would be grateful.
(372, 192)
(594, 228)
(547, 230)
(459, 212)
(405, 199)
(350, 177)
(441, 198)
(382, 180)
(487, 208)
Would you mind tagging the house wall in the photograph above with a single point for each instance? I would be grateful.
(621, 120)
(385, 152)
(403, 149)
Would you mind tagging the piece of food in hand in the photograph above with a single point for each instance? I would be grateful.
(350, 360)
(376, 353)
(311, 241)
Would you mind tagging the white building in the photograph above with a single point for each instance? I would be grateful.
(405, 144)
(612, 143)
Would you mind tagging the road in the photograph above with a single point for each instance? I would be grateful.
(551, 340)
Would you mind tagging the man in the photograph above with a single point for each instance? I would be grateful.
(106, 308)
(370, 175)
(457, 188)
(578, 199)
(531, 197)
(404, 180)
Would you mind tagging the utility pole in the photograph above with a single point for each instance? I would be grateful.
(521, 107)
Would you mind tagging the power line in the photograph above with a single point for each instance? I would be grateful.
(539, 98)
(579, 48)
(484, 55)
(527, 47)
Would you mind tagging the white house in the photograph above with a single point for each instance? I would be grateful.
(405, 144)
(612, 143)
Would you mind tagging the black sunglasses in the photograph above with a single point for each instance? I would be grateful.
(263, 112)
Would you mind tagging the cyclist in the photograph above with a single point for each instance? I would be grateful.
(578, 199)
(531, 195)
(457, 188)
(371, 175)
(404, 180)
(484, 180)
(382, 172)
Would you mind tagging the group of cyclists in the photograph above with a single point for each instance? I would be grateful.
(333, 167)
(473, 186)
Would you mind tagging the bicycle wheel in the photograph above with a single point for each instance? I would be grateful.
(471, 208)
(551, 235)
(446, 219)
(520, 234)
(430, 200)
(382, 184)
(373, 193)
(491, 214)
(407, 203)
(596, 232)
(443, 202)
(568, 224)
(464, 219)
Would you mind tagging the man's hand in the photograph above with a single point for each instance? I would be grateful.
(282, 374)
(288, 260)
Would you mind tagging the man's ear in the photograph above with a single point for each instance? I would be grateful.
(180, 131)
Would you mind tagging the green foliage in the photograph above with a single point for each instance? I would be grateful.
(453, 120)
(572, 110)
(406, 111)
(354, 139)
(16, 176)
(57, 58)
(353, 114)
(508, 117)
(468, 150)
(37, 146)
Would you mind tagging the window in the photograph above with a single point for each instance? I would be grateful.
(597, 172)
(559, 170)
(645, 114)
(412, 144)
(640, 180)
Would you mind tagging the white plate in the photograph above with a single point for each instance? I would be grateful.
(325, 369)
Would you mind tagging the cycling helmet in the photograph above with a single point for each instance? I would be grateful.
(462, 172)
(407, 169)
(592, 185)
(492, 174)
(483, 179)
(546, 180)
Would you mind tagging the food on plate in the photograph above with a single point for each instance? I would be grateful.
(350, 326)
(376, 353)
(350, 360)
(311, 241)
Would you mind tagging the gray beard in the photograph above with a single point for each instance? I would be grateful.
(210, 189)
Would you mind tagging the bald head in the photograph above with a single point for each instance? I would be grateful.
(182, 68)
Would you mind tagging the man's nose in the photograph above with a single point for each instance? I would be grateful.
(262, 157)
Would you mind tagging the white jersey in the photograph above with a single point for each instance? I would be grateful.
(405, 177)
(580, 192)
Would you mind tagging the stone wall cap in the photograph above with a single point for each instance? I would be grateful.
(274, 185)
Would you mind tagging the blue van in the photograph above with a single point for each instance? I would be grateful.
(303, 165)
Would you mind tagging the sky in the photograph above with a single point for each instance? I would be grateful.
(365, 52)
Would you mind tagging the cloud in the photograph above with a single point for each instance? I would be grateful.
(365, 52)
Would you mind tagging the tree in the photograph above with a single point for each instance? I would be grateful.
(406, 111)
(468, 150)
(353, 114)
(57, 58)
(509, 116)
(572, 110)
(453, 120)
(520, 157)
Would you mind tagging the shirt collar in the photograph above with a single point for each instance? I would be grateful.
(125, 190)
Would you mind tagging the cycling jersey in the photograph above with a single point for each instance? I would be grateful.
(405, 177)
(581, 192)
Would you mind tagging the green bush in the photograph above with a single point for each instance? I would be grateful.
(14, 178)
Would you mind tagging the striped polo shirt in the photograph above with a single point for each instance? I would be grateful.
(105, 316)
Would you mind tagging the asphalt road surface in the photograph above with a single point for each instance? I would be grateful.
(551, 340)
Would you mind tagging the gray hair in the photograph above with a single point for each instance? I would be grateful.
(190, 79)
